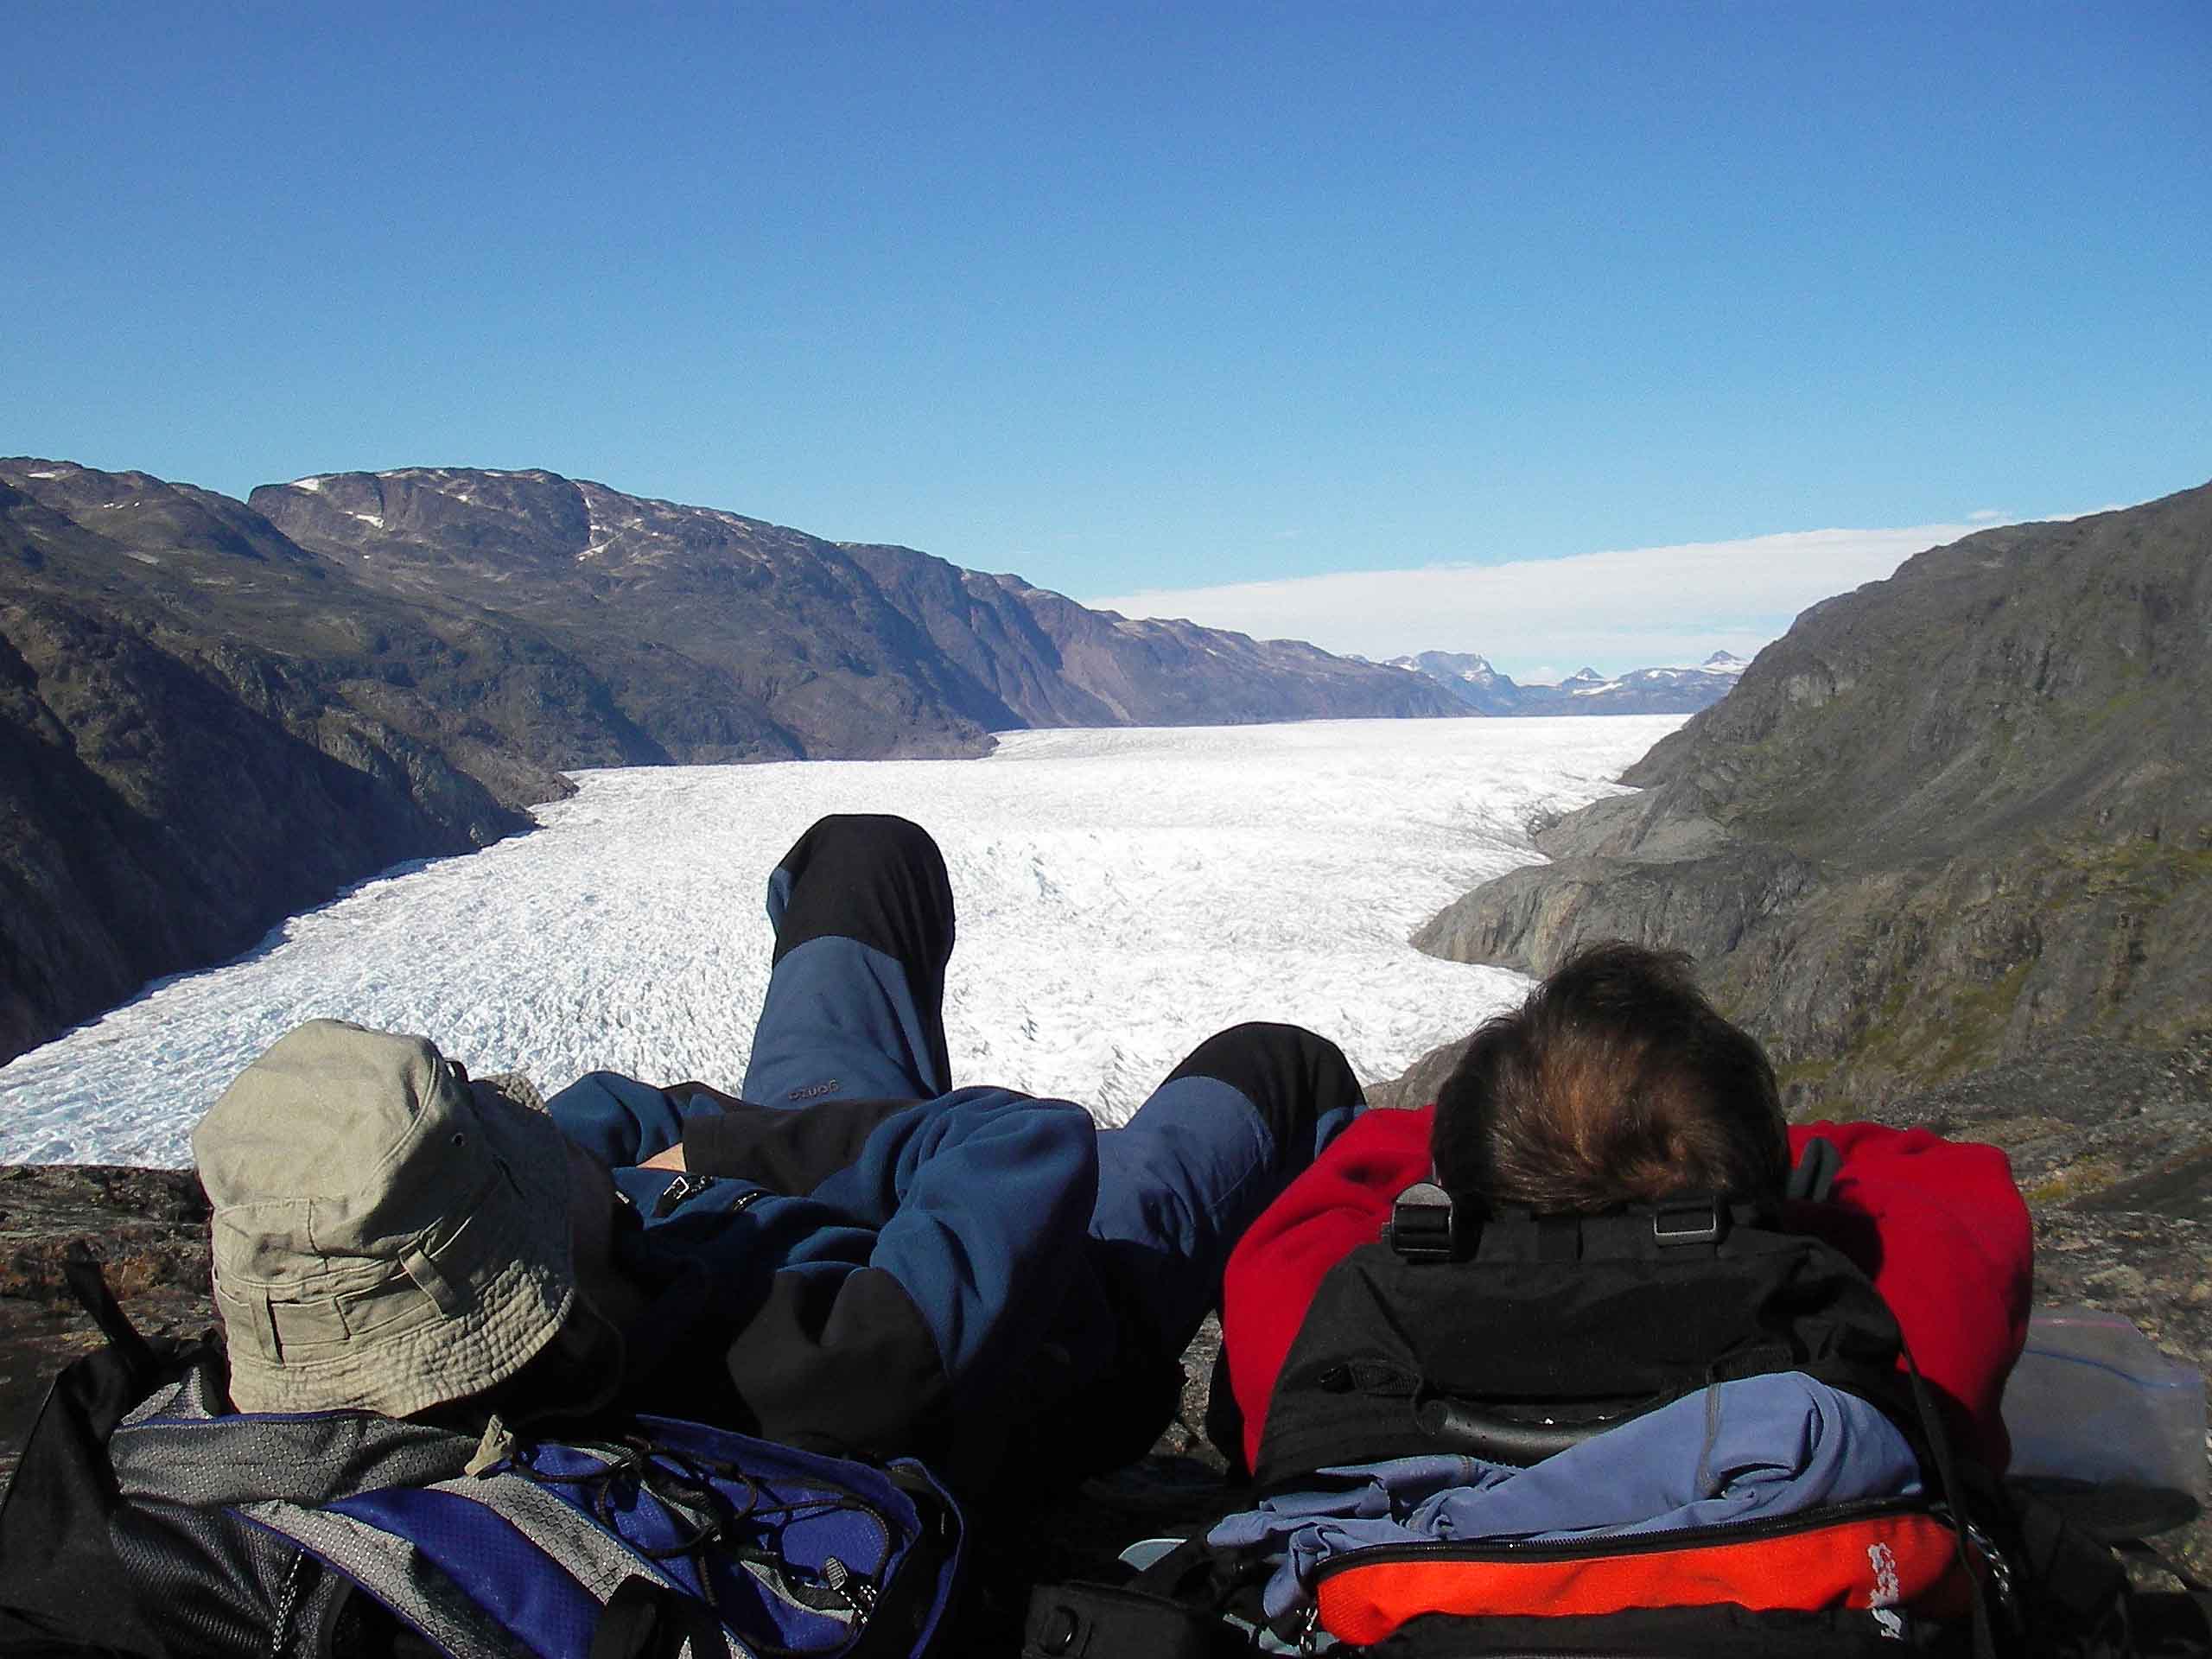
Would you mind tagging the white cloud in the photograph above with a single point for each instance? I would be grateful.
(1614, 611)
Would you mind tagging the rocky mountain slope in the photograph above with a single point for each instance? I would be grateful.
(1949, 819)
(1640, 691)
(1056, 662)
(213, 715)
(197, 740)
(719, 638)
(825, 648)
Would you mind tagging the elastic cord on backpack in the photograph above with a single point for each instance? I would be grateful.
(1706, 1483)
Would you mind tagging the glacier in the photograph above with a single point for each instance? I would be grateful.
(1121, 895)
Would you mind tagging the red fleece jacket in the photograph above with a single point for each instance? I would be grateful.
(1936, 1224)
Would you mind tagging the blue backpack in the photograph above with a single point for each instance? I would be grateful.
(149, 1518)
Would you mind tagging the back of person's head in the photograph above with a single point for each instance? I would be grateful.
(1615, 1083)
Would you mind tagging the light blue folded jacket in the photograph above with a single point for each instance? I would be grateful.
(1763, 1445)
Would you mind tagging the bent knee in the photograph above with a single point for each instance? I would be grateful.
(1293, 1077)
(848, 838)
(1263, 1043)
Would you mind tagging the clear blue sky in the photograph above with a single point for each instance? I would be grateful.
(1126, 298)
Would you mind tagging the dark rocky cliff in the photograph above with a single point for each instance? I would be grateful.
(1947, 820)
(198, 741)
(721, 638)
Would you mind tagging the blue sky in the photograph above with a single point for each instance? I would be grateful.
(1154, 303)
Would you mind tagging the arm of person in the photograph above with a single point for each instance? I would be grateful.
(1939, 1227)
(979, 1204)
(626, 1123)
(622, 1121)
(1333, 1207)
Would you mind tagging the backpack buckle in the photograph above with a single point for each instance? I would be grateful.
(1688, 1221)
(1424, 1226)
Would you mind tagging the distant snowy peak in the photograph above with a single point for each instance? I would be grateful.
(1451, 666)
(1469, 679)
(1484, 690)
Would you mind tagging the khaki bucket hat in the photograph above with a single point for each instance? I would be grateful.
(389, 1235)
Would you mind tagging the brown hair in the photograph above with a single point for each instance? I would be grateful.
(1615, 1083)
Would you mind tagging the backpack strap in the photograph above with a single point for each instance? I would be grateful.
(2076, 1595)
(904, 1606)
(645, 1620)
(1172, 1610)
(1952, 1491)
(81, 1269)
(2168, 1621)
(1814, 1172)
(1424, 1225)
(1224, 1423)
(1105, 1621)
(2078, 1577)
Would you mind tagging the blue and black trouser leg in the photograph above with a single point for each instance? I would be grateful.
(1213, 1145)
(862, 910)
(856, 1006)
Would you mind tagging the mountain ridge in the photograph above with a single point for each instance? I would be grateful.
(215, 713)
(952, 653)
(1679, 689)
(1948, 818)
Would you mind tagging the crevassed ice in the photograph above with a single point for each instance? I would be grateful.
(1122, 894)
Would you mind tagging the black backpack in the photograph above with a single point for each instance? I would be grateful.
(148, 1518)
(1518, 1338)
(1544, 1332)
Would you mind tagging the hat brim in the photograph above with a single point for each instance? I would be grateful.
(515, 1286)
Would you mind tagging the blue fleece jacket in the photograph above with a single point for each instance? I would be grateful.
(871, 1276)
